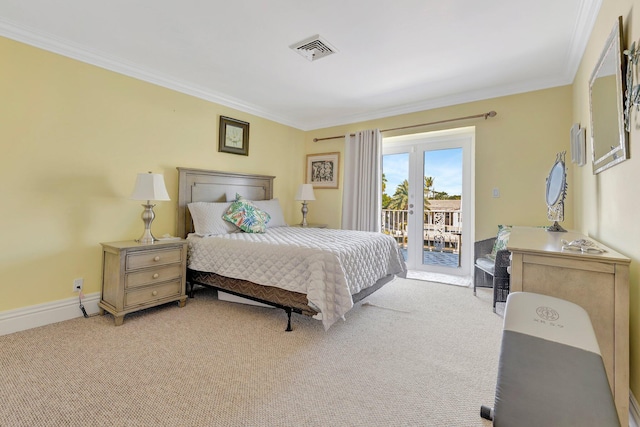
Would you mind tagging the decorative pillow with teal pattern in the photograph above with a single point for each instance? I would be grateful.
(247, 216)
(504, 231)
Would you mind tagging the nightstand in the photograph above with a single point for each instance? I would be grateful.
(137, 276)
(309, 225)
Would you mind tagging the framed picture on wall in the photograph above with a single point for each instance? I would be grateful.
(322, 170)
(234, 136)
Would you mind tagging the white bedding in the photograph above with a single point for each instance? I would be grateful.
(327, 265)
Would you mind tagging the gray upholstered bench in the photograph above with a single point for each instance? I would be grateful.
(550, 371)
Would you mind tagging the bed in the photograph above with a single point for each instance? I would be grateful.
(309, 271)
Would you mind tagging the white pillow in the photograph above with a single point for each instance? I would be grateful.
(207, 218)
(272, 207)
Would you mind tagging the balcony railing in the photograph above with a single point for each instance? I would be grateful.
(441, 228)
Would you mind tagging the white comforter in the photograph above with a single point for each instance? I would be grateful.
(327, 265)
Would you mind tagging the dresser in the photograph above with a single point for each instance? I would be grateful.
(599, 283)
(137, 276)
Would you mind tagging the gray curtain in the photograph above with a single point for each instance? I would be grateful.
(362, 195)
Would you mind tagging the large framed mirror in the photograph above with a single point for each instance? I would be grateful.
(609, 141)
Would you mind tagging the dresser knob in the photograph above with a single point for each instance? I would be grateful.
(154, 293)
(155, 276)
(157, 258)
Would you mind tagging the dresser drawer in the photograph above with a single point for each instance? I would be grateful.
(142, 259)
(152, 293)
(152, 275)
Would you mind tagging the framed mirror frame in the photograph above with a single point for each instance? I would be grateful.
(609, 139)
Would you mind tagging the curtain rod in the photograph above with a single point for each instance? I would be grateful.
(485, 115)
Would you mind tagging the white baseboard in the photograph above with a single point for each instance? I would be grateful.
(33, 316)
(634, 411)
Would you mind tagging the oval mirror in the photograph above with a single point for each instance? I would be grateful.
(556, 191)
(555, 183)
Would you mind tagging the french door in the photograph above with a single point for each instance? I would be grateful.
(429, 199)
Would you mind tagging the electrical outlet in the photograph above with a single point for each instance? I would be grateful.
(77, 284)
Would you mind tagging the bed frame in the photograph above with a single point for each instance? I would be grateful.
(199, 185)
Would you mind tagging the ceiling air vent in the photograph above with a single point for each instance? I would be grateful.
(314, 48)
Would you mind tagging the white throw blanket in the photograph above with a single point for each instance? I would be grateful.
(327, 265)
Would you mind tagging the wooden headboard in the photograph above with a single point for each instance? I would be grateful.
(199, 185)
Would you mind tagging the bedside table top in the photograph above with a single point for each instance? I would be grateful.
(310, 225)
(127, 244)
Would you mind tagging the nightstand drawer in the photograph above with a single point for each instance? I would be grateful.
(152, 293)
(152, 275)
(143, 259)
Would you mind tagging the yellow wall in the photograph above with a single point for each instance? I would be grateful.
(607, 205)
(514, 151)
(73, 138)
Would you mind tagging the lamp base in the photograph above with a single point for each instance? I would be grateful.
(147, 217)
(556, 228)
(304, 214)
(147, 238)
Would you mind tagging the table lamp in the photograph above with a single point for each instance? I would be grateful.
(149, 186)
(304, 194)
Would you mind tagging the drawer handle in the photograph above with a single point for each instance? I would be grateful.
(154, 293)
(155, 276)
(157, 258)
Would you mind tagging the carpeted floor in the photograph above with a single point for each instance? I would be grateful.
(412, 354)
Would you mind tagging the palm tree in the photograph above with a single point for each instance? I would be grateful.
(385, 197)
(400, 199)
(428, 184)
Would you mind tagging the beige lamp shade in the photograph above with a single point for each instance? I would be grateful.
(150, 186)
(305, 192)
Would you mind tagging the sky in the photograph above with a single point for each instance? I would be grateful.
(445, 166)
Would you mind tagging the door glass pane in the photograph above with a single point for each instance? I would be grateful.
(395, 197)
(442, 219)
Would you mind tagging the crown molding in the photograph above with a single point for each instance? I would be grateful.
(445, 101)
(65, 48)
(585, 21)
(584, 25)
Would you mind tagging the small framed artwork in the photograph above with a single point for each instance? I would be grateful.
(234, 136)
(322, 170)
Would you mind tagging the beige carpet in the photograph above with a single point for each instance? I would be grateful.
(413, 354)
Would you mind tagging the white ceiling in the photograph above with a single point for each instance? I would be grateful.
(394, 56)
